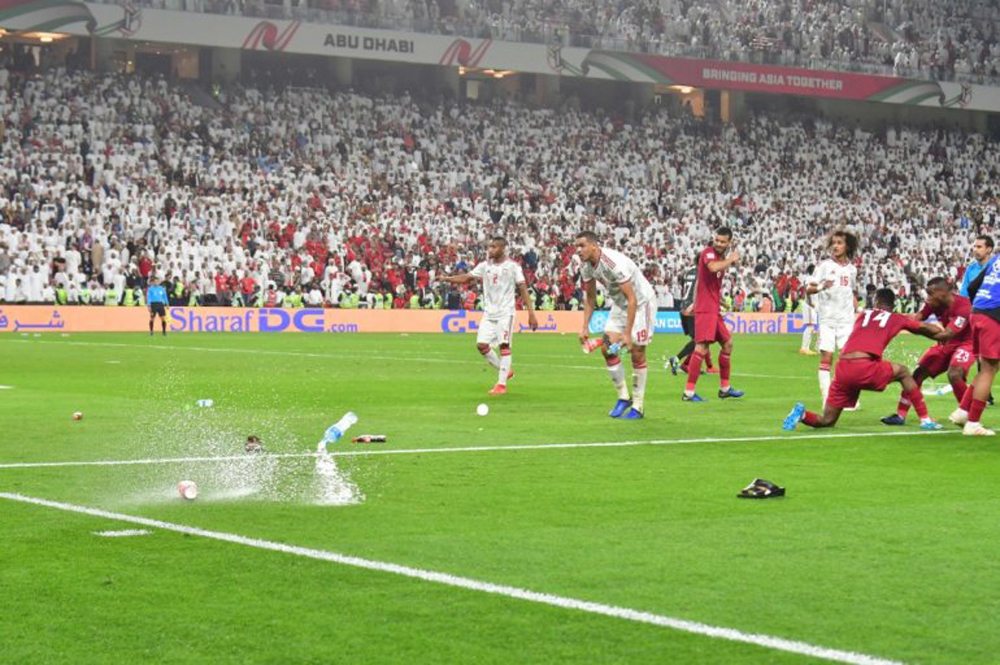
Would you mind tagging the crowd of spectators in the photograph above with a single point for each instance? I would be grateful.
(312, 197)
(950, 40)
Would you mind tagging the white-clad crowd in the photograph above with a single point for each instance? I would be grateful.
(105, 180)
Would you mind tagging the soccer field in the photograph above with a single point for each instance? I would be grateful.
(542, 532)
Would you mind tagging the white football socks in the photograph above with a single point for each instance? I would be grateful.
(617, 372)
(505, 363)
(492, 358)
(638, 388)
(824, 383)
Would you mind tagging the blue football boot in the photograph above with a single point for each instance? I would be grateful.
(793, 418)
(620, 407)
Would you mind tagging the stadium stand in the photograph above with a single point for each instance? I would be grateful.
(919, 38)
(362, 200)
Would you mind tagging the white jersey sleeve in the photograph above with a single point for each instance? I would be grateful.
(614, 269)
(817, 277)
(479, 270)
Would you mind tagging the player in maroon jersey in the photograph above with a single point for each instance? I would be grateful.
(861, 367)
(953, 354)
(709, 326)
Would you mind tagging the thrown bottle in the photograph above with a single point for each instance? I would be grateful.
(336, 431)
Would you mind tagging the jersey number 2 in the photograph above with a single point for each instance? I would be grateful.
(881, 318)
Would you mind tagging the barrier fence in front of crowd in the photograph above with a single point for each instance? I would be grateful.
(32, 319)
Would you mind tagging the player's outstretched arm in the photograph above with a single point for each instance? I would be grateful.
(629, 292)
(528, 305)
(464, 278)
(946, 335)
(589, 304)
(933, 331)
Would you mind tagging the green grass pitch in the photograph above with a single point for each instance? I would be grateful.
(884, 545)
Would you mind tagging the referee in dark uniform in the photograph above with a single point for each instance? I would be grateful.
(156, 300)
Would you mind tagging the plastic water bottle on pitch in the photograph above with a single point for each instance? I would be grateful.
(595, 343)
(336, 431)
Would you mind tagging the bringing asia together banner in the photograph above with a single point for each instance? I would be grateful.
(33, 319)
(129, 21)
(752, 77)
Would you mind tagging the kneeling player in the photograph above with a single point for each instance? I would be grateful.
(953, 354)
(861, 366)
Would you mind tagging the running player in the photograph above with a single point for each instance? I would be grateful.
(156, 302)
(631, 321)
(502, 278)
(954, 352)
(835, 286)
(861, 366)
(809, 318)
(709, 326)
(985, 294)
(982, 251)
(688, 283)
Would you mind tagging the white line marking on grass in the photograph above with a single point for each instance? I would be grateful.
(418, 357)
(125, 533)
(6, 387)
(468, 449)
(563, 602)
(266, 352)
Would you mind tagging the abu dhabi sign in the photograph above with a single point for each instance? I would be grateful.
(238, 32)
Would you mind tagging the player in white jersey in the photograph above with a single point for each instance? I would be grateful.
(502, 280)
(631, 321)
(834, 288)
(809, 315)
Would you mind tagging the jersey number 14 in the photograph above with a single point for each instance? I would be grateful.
(880, 317)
